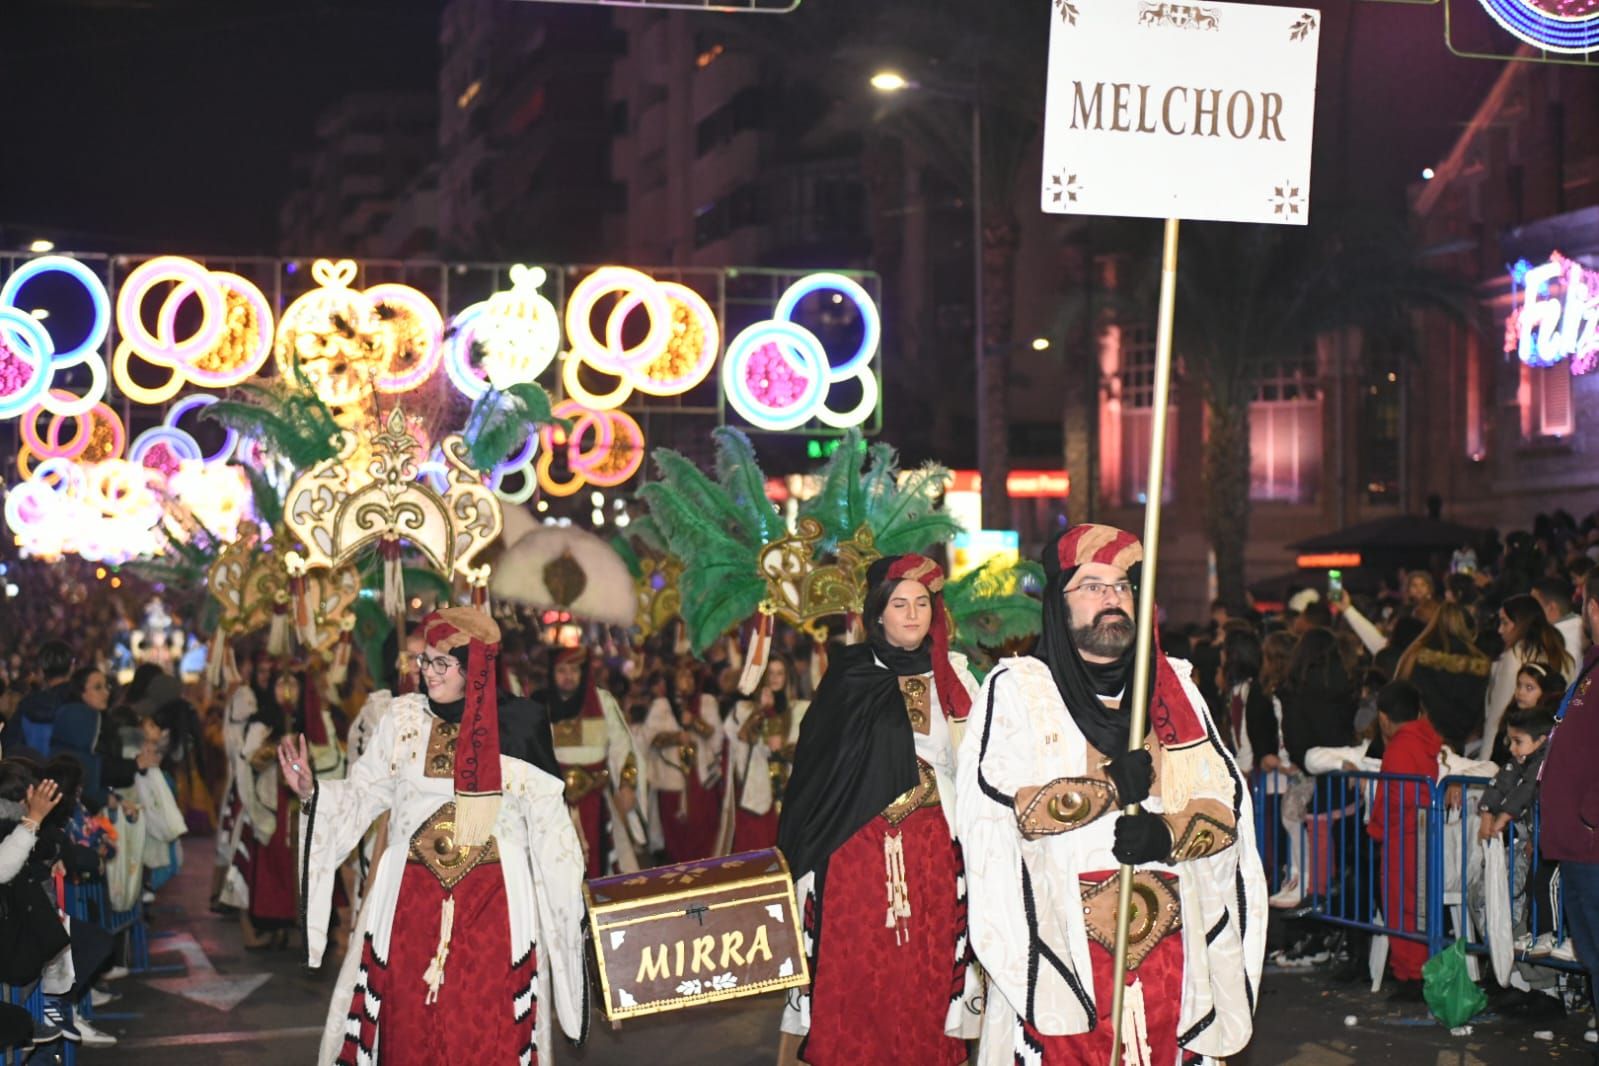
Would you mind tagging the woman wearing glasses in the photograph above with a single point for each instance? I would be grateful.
(473, 922)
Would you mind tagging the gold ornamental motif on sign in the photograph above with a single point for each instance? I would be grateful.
(339, 511)
(802, 593)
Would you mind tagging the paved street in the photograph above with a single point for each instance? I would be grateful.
(279, 1020)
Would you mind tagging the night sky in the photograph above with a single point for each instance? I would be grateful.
(168, 125)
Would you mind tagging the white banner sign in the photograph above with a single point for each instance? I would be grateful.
(1194, 111)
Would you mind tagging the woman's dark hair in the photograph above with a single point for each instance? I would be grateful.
(1242, 651)
(55, 659)
(146, 673)
(1317, 661)
(1534, 721)
(16, 777)
(79, 680)
(1535, 639)
(1400, 701)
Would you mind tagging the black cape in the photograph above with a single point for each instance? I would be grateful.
(856, 754)
(524, 729)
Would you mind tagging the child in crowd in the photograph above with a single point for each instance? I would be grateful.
(1412, 749)
(1537, 685)
(1510, 798)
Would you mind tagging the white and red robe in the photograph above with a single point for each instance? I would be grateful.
(515, 962)
(1049, 998)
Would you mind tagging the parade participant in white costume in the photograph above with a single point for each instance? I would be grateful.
(761, 735)
(472, 931)
(600, 763)
(1044, 772)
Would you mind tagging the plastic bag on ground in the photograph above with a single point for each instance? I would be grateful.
(1452, 996)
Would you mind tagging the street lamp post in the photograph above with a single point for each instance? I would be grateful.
(990, 460)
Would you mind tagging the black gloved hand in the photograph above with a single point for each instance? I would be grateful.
(1131, 772)
(1141, 837)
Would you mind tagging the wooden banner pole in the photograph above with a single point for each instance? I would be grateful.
(1143, 660)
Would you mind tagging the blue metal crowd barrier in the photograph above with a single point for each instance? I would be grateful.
(1371, 855)
(1454, 795)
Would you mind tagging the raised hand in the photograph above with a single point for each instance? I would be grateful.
(41, 800)
(294, 760)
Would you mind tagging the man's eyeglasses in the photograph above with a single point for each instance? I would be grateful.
(440, 665)
(1098, 589)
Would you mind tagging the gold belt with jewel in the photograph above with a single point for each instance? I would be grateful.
(582, 780)
(923, 794)
(433, 845)
(1157, 912)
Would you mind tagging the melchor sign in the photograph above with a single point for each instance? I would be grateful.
(1198, 111)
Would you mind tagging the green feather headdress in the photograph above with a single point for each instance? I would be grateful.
(717, 528)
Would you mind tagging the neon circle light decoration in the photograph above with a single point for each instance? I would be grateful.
(778, 375)
(179, 446)
(517, 330)
(678, 350)
(345, 341)
(93, 287)
(62, 402)
(23, 341)
(245, 341)
(604, 448)
(190, 277)
(1570, 27)
(230, 440)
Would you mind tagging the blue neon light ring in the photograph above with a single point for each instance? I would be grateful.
(458, 353)
(91, 284)
(31, 343)
(804, 353)
(871, 321)
(1539, 28)
(230, 443)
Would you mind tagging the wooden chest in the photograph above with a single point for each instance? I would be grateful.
(698, 932)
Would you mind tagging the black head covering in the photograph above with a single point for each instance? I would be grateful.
(1081, 684)
(856, 751)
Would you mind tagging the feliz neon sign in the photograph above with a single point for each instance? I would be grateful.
(1558, 317)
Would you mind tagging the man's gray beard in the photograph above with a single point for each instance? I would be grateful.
(1108, 637)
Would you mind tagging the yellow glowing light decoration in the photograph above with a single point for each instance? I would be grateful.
(215, 494)
(615, 453)
(677, 352)
(151, 397)
(98, 435)
(348, 341)
(105, 512)
(229, 344)
(517, 333)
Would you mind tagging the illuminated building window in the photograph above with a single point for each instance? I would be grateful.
(1137, 376)
(1545, 401)
(1285, 452)
(1377, 441)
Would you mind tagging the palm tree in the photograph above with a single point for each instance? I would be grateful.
(1251, 294)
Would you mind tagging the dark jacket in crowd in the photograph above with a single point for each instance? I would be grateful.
(1316, 715)
(1453, 687)
(89, 737)
(29, 729)
(1570, 827)
(1514, 787)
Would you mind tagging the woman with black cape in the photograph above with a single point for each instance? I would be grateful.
(868, 806)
